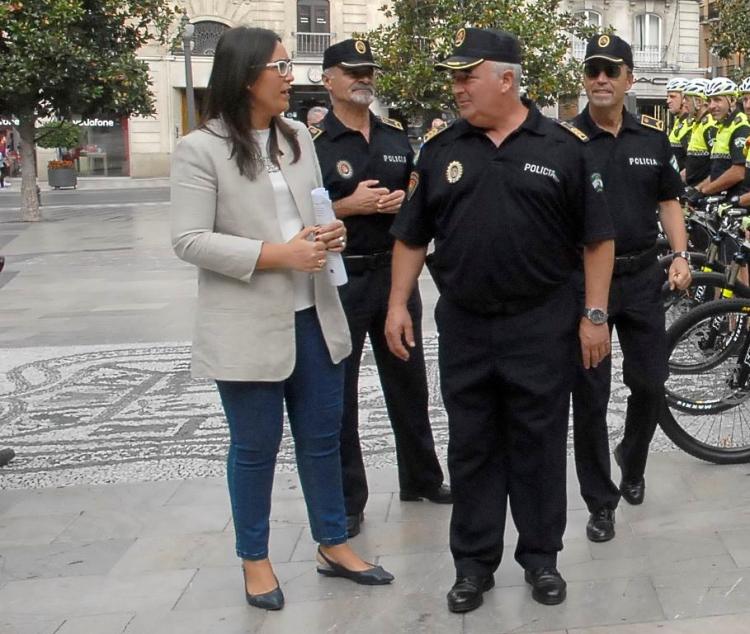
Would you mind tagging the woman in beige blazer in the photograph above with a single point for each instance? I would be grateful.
(269, 327)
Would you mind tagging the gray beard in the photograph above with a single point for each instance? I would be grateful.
(363, 99)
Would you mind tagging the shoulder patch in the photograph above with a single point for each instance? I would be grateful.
(651, 122)
(433, 132)
(392, 122)
(315, 132)
(576, 132)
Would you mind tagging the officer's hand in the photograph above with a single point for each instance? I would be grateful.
(333, 236)
(304, 253)
(594, 342)
(365, 198)
(399, 330)
(679, 274)
(391, 203)
(694, 197)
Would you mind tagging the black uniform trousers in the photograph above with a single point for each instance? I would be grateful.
(365, 302)
(506, 382)
(637, 312)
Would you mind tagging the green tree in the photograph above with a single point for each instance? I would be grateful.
(729, 35)
(421, 31)
(66, 58)
(58, 134)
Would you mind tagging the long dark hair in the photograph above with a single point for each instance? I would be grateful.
(240, 57)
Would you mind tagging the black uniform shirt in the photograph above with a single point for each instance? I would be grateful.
(346, 159)
(639, 172)
(507, 221)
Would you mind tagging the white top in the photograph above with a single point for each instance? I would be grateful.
(290, 222)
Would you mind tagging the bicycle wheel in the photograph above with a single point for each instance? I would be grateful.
(705, 287)
(708, 413)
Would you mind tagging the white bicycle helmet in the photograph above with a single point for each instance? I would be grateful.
(696, 87)
(677, 84)
(721, 87)
(744, 86)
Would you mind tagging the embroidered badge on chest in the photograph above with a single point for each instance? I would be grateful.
(454, 172)
(344, 168)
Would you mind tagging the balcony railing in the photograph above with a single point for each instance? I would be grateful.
(649, 56)
(313, 44)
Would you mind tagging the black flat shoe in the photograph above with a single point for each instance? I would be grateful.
(273, 600)
(548, 586)
(633, 491)
(601, 525)
(467, 593)
(353, 524)
(438, 495)
(375, 576)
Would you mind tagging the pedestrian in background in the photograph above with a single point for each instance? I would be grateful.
(270, 329)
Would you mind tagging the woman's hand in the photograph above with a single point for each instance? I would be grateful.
(333, 236)
(304, 254)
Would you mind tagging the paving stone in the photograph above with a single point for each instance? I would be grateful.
(61, 559)
(96, 624)
(92, 595)
(38, 529)
(706, 594)
(198, 550)
(10, 624)
(231, 620)
(738, 545)
(511, 609)
(729, 624)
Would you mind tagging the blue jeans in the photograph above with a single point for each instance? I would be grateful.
(255, 412)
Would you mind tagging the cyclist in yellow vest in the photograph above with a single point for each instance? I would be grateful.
(702, 133)
(745, 95)
(679, 134)
(728, 152)
(744, 91)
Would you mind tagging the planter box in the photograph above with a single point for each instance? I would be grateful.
(65, 177)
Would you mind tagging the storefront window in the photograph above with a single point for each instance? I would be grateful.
(103, 149)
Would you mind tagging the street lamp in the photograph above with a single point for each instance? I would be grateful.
(188, 31)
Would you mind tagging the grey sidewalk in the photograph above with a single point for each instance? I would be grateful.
(95, 316)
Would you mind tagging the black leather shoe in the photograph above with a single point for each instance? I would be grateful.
(438, 495)
(375, 576)
(273, 600)
(353, 524)
(466, 593)
(601, 525)
(632, 491)
(548, 587)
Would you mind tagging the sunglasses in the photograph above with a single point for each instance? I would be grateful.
(283, 66)
(593, 69)
(359, 72)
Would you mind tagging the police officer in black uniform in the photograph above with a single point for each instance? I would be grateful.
(507, 197)
(365, 161)
(639, 174)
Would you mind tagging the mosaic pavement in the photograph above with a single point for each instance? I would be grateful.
(105, 414)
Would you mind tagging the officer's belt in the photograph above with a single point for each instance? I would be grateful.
(634, 262)
(358, 264)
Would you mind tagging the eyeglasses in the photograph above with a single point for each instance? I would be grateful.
(283, 66)
(594, 68)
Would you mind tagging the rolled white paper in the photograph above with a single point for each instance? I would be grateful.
(324, 215)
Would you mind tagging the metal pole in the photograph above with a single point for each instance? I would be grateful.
(187, 42)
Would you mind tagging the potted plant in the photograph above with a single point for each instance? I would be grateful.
(60, 134)
(62, 174)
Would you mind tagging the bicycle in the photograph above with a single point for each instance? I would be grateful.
(708, 390)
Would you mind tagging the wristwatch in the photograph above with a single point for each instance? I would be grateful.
(596, 316)
(682, 254)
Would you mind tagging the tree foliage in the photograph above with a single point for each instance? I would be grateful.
(421, 31)
(64, 58)
(58, 134)
(729, 35)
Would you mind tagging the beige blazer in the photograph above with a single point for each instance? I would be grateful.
(244, 328)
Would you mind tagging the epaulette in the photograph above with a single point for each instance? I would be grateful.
(315, 131)
(433, 132)
(576, 132)
(392, 122)
(653, 123)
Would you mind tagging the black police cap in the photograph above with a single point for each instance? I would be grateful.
(609, 47)
(473, 46)
(349, 54)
